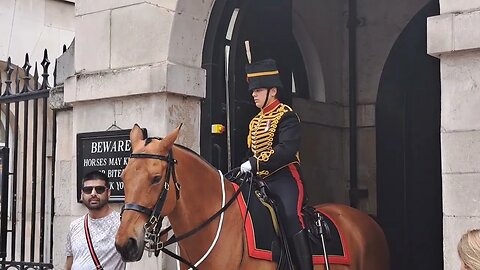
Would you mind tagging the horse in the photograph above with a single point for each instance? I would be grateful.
(163, 179)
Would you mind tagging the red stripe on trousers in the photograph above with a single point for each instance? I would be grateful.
(296, 176)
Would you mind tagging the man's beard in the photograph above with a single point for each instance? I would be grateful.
(100, 203)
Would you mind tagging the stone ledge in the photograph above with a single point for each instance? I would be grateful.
(439, 34)
(448, 33)
(56, 99)
(449, 6)
(161, 77)
(65, 64)
(91, 6)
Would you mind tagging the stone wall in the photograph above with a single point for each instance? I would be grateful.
(454, 38)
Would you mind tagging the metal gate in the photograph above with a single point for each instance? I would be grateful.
(27, 167)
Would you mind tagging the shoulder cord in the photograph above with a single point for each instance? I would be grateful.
(174, 239)
(95, 259)
(218, 229)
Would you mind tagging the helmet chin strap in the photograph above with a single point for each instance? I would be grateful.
(266, 98)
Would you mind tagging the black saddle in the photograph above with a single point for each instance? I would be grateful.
(262, 235)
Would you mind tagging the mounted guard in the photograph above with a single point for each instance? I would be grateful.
(163, 179)
(274, 142)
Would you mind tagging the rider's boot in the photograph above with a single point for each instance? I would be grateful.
(303, 251)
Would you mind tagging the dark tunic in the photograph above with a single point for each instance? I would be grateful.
(274, 140)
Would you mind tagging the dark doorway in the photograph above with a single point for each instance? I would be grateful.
(267, 24)
(409, 183)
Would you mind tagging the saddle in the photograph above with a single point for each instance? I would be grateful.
(263, 233)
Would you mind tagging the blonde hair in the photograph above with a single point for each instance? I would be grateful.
(469, 249)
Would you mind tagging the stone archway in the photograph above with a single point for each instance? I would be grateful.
(188, 31)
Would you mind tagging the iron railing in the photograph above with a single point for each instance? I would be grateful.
(27, 187)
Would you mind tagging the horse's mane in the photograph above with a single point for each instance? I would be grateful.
(149, 140)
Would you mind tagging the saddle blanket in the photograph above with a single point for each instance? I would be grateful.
(261, 236)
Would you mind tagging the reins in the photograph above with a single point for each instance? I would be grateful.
(153, 225)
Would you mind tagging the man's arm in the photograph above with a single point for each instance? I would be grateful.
(68, 263)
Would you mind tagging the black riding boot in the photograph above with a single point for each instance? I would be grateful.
(302, 251)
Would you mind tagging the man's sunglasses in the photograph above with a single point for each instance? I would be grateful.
(98, 189)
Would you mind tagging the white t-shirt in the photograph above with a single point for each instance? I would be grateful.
(102, 233)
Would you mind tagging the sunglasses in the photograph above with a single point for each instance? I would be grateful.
(98, 189)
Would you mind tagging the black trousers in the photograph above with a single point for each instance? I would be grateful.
(286, 188)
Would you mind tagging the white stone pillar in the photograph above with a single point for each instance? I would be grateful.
(453, 36)
(135, 62)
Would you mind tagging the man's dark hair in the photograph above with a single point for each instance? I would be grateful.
(96, 175)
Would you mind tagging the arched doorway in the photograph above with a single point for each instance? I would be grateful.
(409, 184)
(268, 27)
(292, 32)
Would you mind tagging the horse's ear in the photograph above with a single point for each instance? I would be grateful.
(136, 134)
(169, 140)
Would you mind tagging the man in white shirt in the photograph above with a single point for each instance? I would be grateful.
(102, 223)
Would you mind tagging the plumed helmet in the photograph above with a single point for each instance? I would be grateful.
(263, 74)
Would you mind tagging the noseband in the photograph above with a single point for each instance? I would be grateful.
(153, 225)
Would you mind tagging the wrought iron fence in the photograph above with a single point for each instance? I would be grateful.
(27, 167)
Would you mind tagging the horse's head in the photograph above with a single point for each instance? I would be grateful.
(147, 177)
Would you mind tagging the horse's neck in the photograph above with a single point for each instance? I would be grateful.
(200, 195)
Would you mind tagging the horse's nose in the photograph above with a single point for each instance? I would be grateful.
(132, 244)
(129, 251)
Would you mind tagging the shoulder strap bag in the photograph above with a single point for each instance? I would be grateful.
(96, 261)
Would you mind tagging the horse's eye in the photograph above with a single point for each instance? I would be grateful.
(157, 179)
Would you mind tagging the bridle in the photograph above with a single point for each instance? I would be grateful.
(152, 227)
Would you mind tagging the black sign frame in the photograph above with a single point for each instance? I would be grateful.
(104, 155)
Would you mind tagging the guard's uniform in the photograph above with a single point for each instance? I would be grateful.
(274, 140)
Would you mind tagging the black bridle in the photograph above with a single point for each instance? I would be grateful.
(153, 226)
(155, 213)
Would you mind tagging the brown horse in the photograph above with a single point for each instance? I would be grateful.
(157, 166)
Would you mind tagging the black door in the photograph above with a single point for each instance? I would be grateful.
(409, 183)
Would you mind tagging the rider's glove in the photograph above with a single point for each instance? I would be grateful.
(246, 167)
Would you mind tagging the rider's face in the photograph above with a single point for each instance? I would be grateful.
(260, 95)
